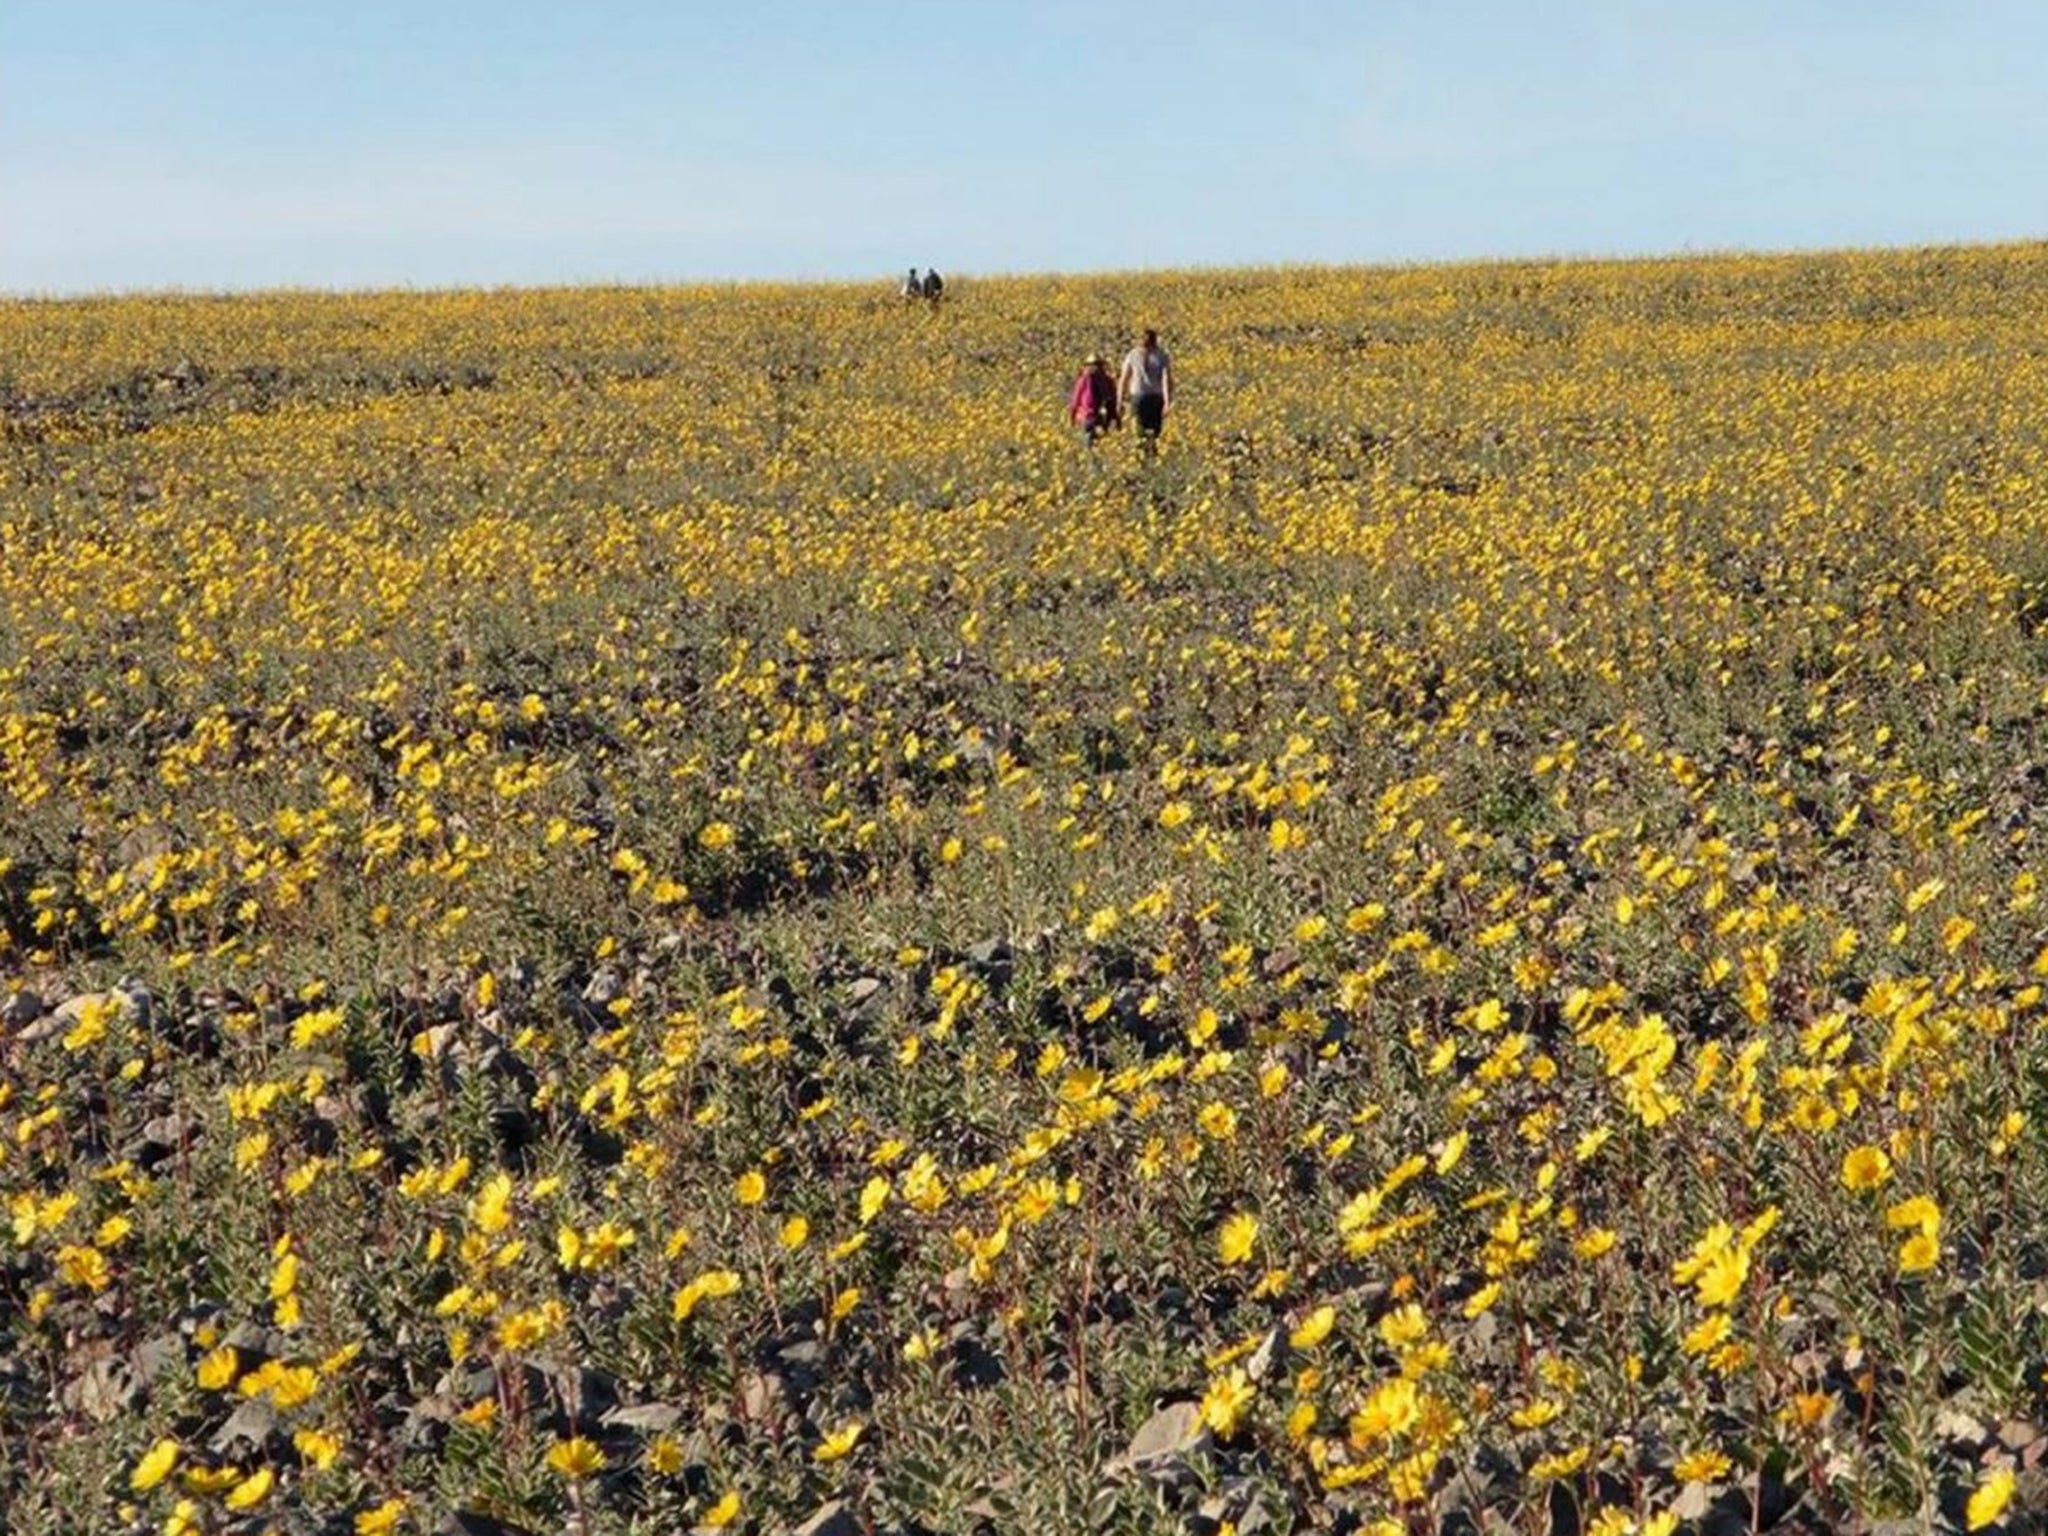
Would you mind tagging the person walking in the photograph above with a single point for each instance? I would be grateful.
(934, 287)
(1092, 406)
(1144, 387)
(913, 287)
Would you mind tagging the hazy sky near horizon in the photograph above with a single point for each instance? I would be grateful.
(236, 143)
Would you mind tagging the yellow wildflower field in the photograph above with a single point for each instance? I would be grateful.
(634, 910)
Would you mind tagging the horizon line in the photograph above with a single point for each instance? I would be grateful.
(736, 282)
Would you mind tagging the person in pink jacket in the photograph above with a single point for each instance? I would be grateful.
(1093, 406)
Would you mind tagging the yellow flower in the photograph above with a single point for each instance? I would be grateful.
(317, 1447)
(91, 1027)
(1314, 1328)
(1702, 1467)
(1223, 1405)
(1988, 1499)
(1452, 1152)
(724, 1512)
(1299, 1422)
(251, 1490)
(1595, 1243)
(873, 1196)
(1391, 1409)
(155, 1466)
(219, 1367)
(1217, 1120)
(1235, 1239)
(1403, 1326)
(381, 1520)
(839, 1442)
(664, 1455)
(1865, 1167)
(1535, 1415)
(751, 1188)
(1809, 1408)
(1921, 1251)
(1919, 1211)
(1708, 1334)
(1721, 1281)
(1559, 1465)
(575, 1459)
(209, 1480)
(1923, 893)
(710, 1285)
(85, 1266)
(110, 1232)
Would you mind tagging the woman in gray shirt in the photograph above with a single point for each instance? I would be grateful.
(1144, 386)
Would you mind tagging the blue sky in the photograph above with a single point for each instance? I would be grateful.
(363, 142)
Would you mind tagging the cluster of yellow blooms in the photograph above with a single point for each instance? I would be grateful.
(659, 907)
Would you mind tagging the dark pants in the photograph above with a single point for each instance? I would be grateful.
(1151, 413)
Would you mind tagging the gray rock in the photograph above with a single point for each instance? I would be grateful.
(1237, 1503)
(1489, 1479)
(586, 1395)
(1695, 1499)
(62, 1018)
(763, 1396)
(1960, 1427)
(247, 1432)
(2018, 1434)
(989, 954)
(424, 1425)
(467, 1383)
(1271, 1351)
(21, 1008)
(104, 1390)
(605, 986)
(161, 1137)
(138, 998)
(645, 1418)
(833, 1519)
(1166, 1446)
(810, 1352)
(470, 1522)
(155, 1357)
(141, 847)
(256, 1343)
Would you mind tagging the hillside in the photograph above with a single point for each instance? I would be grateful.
(637, 909)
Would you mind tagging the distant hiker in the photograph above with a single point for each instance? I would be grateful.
(1093, 404)
(1144, 387)
(934, 287)
(913, 287)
